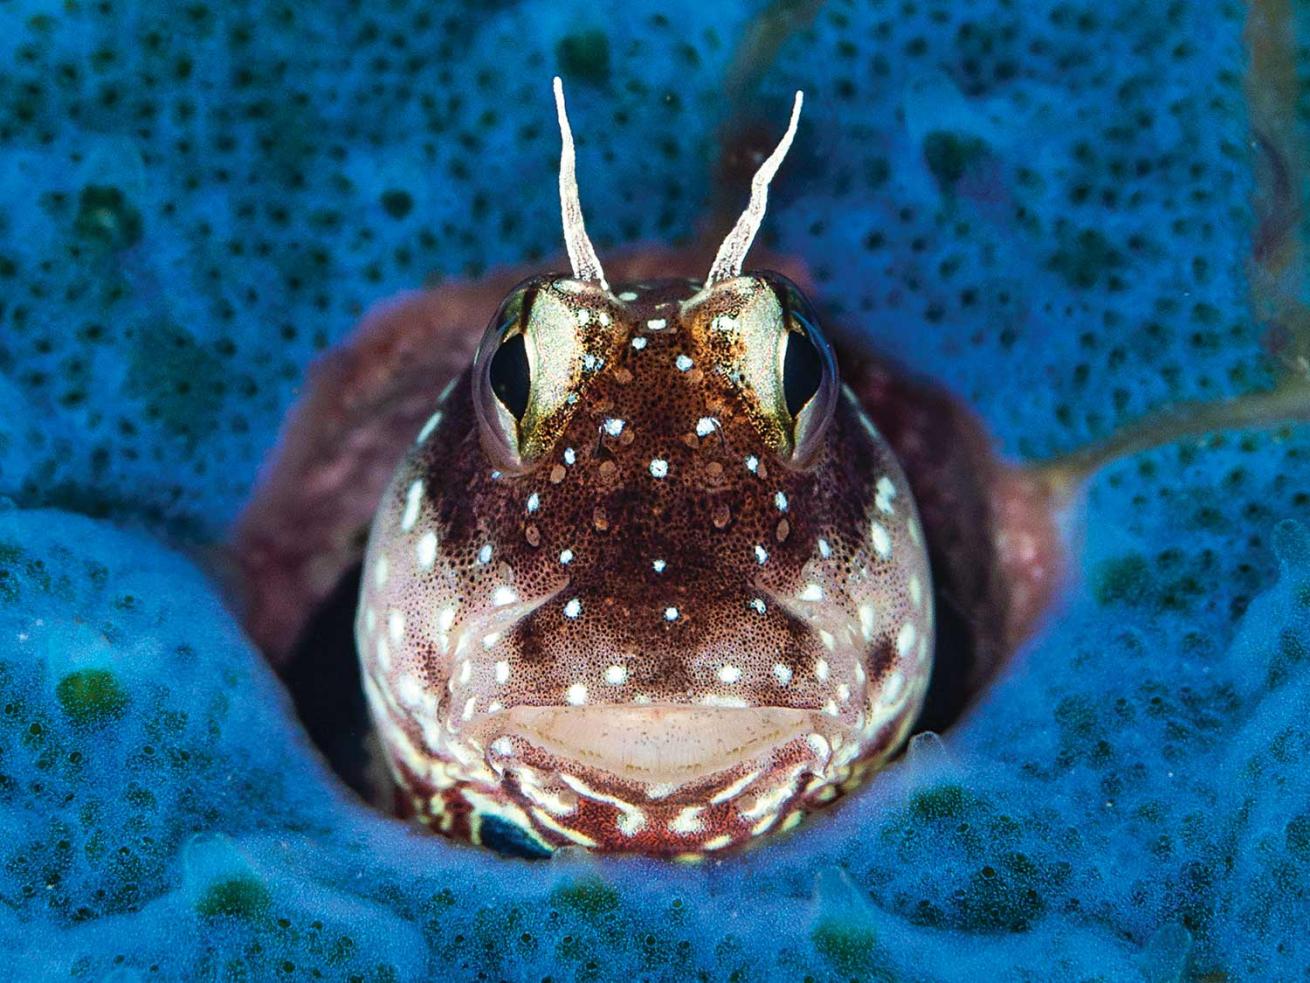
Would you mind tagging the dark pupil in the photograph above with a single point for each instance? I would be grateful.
(510, 377)
(802, 371)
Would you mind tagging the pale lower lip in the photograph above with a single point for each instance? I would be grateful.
(656, 745)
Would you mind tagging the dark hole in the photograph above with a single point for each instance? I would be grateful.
(510, 376)
(323, 678)
(802, 371)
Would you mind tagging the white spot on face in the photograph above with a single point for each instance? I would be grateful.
(886, 491)
(867, 621)
(583, 315)
(613, 426)
(433, 421)
(683, 363)
(670, 614)
(687, 821)
(383, 655)
(829, 642)
(821, 670)
(576, 694)
(503, 595)
(882, 541)
(370, 619)
(410, 691)
(659, 467)
(427, 550)
(761, 555)
(781, 673)
(905, 639)
(628, 295)
(891, 689)
(630, 821)
(484, 554)
(659, 566)
(825, 550)
(706, 425)
(590, 362)
(468, 707)
(489, 640)
(916, 590)
(812, 592)
(396, 624)
(465, 672)
(616, 675)
(639, 342)
(780, 501)
(380, 571)
(445, 618)
(502, 672)
(758, 604)
(752, 464)
(657, 324)
(729, 674)
(573, 608)
(724, 322)
(570, 456)
(566, 557)
(604, 318)
(534, 502)
(719, 700)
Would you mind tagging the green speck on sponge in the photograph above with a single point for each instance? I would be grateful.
(942, 802)
(1122, 579)
(105, 214)
(1298, 836)
(243, 896)
(590, 897)
(848, 948)
(91, 696)
(951, 155)
(584, 57)
(10, 554)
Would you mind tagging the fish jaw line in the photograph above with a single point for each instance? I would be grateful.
(657, 747)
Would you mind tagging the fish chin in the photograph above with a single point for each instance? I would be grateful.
(654, 750)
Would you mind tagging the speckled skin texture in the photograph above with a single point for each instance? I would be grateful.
(664, 570)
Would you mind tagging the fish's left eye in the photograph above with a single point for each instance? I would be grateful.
(502, 375)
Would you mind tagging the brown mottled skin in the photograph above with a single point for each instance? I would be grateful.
(756, 625)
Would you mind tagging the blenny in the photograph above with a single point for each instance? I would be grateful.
(649, 578)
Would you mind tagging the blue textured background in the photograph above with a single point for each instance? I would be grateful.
(1045, 205)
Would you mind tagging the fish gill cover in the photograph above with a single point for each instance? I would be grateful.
(1078, 216)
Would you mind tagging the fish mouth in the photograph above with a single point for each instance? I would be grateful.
(663, 746)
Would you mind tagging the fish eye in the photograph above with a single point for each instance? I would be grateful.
(808, 369)
(511, 375)
(802, 370)
(502, 375)
(538, 353)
